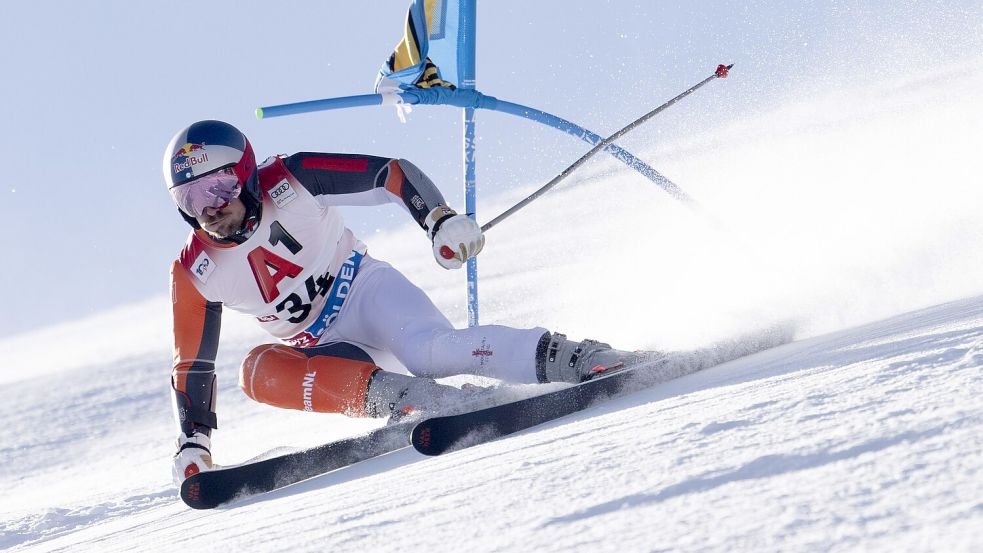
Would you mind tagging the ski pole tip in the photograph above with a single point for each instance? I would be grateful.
(722, 70)
(259, 113)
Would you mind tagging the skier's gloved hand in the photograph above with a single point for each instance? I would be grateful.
(193, 456)
(455, 237)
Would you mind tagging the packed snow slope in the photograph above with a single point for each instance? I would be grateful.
(855, 214)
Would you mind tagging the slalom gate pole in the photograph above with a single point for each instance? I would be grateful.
(720, 73)
(466, 67)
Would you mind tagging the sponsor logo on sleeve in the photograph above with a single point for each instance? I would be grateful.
(282, 194)
(203, 267)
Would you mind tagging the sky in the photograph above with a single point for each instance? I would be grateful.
(93, 94)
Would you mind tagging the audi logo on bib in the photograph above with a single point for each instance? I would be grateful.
(282, 194)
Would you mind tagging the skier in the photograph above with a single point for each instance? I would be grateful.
(267, 241)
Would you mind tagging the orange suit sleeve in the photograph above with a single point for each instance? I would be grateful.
(197, 325)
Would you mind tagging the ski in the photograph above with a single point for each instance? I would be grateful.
(438, 435)
(209, 489)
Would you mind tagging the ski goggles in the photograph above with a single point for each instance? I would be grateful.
(214, 190)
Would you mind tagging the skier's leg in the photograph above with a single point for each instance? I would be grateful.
(339, 378)
(330, 379)
(387, 311)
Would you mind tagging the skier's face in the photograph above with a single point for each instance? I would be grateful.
(223, 222)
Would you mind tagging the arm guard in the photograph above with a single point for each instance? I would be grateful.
(196, 416)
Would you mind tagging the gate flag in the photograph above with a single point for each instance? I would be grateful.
(429, 53)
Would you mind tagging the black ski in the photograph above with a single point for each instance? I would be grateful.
(439, 435)
(209, 489)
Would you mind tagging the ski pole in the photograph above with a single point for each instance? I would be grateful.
(720, 73)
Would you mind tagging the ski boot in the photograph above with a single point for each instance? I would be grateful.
(562, 360)
(401, 397)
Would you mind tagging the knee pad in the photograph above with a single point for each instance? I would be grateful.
(323, 379)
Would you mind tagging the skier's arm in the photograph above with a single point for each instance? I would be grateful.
(350, 179)
(346, 179)
(197, 323)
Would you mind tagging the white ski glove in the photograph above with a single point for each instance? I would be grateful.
(193, 456)
(455, 237)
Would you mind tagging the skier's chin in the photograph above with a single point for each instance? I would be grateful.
(223, 228)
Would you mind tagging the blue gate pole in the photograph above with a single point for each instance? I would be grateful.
(467, 80)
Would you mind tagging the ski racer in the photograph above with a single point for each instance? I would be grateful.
(267, 241)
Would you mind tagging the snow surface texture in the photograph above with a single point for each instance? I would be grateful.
(835, 211)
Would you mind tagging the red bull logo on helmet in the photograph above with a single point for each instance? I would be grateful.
(187, 156)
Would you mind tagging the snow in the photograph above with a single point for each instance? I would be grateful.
(861, 224)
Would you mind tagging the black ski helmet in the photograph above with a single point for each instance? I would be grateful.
(206, 147)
